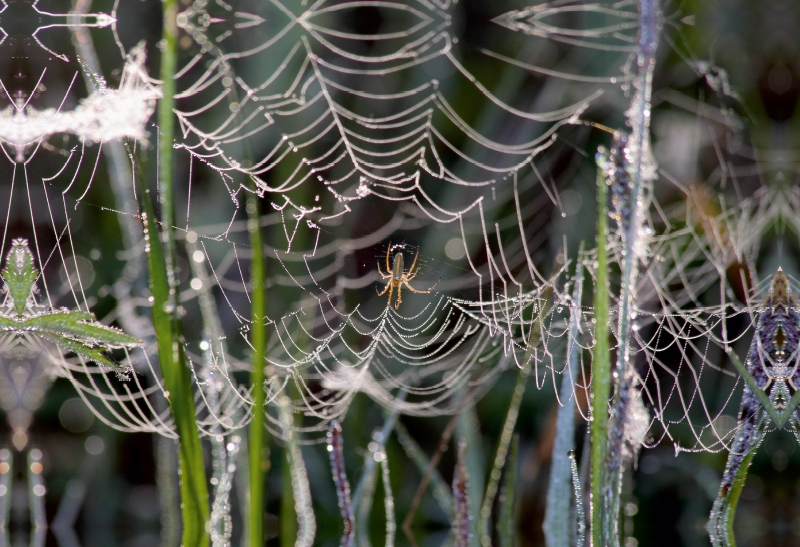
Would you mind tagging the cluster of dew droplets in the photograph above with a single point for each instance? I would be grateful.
(617, 165)
(579, 514)
(224, 467)
(301, 488)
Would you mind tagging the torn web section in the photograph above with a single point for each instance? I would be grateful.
(104, 114)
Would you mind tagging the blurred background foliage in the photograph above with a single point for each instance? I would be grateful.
(735, 62)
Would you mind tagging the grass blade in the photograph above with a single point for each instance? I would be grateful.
(259, 447)
(639, 167)
(388, 498)
(468, 429)
(511, 419)
(73, 325)
(601, 363)
(177, 382)
(580, 517)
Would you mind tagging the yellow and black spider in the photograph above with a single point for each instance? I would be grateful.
(397, 277)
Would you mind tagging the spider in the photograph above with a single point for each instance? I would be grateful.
(398, 277)
(772, 367)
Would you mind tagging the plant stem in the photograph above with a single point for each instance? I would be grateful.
(166, 303)
(639, 120)
(601, 366)
(728, 516)
(178, 387)
(468, 430)
(259, 449)
(166, 126)
(507, 519)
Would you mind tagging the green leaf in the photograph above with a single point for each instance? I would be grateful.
(87, 352)
(557, 523)
(20, 274)
(74, 325)
(7, 324)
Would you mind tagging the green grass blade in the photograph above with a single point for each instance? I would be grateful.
(364, 509)
(601, 364)
(501, 455)
(580, 517)
(259, 448)
(287, 516)
(388, 499)
(87, 352)
(59, 315)
(7, 324)
(162, 267)
(336, 451)
(461, 529)
(306, 525)
(729, 515)
(178, 383)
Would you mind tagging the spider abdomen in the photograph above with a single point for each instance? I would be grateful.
(397, 267)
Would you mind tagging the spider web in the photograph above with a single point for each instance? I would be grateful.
(358, 148)
(358, 141)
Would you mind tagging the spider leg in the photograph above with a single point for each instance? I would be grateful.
(390, 286)
(399, 296)
(412, 289)
(388, 248)
(386, 288)
(383, 275)
(414, 263)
